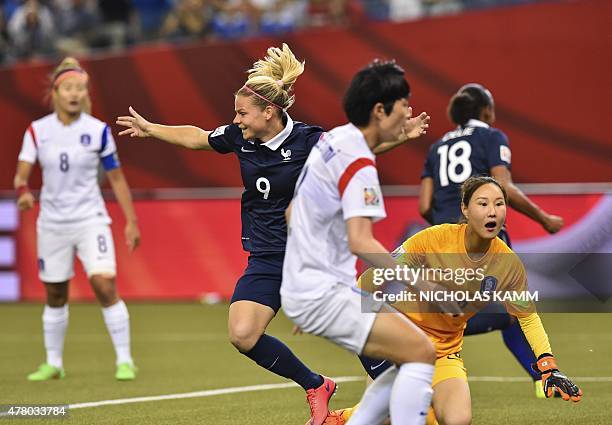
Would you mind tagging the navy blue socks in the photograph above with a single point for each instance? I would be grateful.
(272, 354)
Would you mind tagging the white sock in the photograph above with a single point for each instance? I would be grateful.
(55, 323)
(117, 321)
(411, 394)
(374, 405)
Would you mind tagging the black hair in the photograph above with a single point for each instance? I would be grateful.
(473, 183)
(468, 103)
(379, 82)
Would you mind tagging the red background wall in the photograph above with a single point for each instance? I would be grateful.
(548, 66)
(190, 248)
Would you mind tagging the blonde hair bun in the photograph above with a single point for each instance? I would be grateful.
(273, 77)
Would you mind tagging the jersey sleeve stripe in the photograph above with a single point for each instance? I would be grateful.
(33, 134)
(110, 162)
(351, 170)
(104, 139)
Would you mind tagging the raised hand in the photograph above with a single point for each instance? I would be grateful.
(417, 126)
(137, 126)
(552, 223)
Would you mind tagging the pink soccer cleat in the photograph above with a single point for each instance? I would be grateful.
(318, 400)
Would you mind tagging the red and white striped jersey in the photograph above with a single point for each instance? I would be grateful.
(338, 181)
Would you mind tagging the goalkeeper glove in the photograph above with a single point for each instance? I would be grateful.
(553, 379)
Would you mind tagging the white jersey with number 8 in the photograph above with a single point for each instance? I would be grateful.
(69, 156)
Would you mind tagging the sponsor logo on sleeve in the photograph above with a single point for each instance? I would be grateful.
(504, 153)
(327, 152)
(218, 131)
(371, 198)
(397, 252)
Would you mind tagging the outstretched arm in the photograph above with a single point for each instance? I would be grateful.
(415, 127)
(364, 245)
(535, 334)
(187, 136)
(520, 202)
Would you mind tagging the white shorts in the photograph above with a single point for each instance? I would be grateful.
(345, 315)
(93, 244)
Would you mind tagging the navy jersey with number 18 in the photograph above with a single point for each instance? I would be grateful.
(269, 173)
(468, 151)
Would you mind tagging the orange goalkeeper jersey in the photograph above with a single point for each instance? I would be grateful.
(439, 254)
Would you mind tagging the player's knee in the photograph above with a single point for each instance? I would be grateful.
(57, 294)
(104, 287)
(457, 417)
(421, 350)
(107, 297)
(243, 336)
(425, 353)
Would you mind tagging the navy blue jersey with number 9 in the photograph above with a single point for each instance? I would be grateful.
(269, 173)
(467, 151)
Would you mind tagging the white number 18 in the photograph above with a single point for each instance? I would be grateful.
(449, 161)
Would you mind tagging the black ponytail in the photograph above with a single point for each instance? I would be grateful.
(468, 103)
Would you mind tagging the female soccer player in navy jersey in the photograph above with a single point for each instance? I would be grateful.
(271, 149)
(69, 145)
(476, 148)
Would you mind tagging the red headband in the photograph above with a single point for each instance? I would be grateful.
(250, 90)
(67, 73)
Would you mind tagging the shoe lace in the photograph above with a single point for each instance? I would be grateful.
(311, 397)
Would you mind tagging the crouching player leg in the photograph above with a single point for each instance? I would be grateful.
(451, 393)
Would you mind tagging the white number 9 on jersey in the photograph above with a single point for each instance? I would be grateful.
(263, 185)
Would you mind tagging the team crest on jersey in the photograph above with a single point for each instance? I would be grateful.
(488, 284)
(85, 139)
(286, 154)
(370, 197)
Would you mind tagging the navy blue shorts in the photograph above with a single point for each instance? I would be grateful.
(261, 280)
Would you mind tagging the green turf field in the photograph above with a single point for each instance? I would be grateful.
(182, 348)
